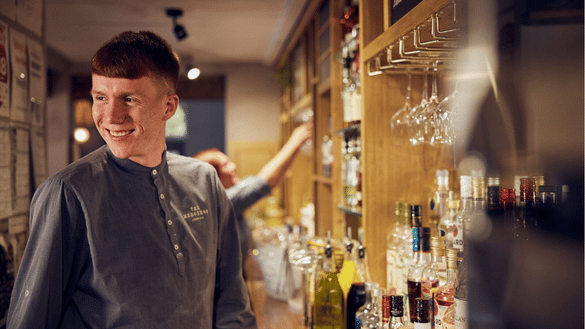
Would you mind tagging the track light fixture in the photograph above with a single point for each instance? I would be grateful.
(178, 29)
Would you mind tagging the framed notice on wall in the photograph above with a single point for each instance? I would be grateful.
(399, 8)
(18, 61)
(37, 81)
(4, 71)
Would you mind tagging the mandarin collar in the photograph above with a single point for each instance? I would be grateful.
(131, 166)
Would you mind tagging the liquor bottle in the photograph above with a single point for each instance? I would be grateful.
(460, 295)
(358, 171)
(447, 225)
(396, 308)
(373, 319)
(435, 274)
(362, 260)
(344, 160)
(526, 207)
(348, 273)
(465, 213)
(478, 190)
(493, 207)
(421, 313)
(548, 202)
(444, 311)
(356, 298)
(394, 249)
(351, 178)
(508, 205)
(386, 312)
(329, 298)
(367, 307)
(350, 16)
(415, 274)
(438, 204)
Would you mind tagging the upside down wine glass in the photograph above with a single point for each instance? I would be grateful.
(400, 119)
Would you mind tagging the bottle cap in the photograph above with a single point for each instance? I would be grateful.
(415, 210)
(369, 286)
(465, 182)
(396, 306)
(378, 292)
(442, 177)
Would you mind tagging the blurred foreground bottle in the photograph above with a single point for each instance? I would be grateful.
(395, 309)
(460, 296)
(373, 319)
(329, 298)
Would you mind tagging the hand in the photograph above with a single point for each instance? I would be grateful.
(301, 134)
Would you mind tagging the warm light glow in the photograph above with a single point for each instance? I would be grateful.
(193, 73)
(81, 135)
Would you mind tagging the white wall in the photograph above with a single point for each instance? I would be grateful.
(251, 103)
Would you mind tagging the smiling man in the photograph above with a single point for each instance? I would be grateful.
(131, 235)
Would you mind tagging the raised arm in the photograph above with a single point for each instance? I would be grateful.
(273, 172)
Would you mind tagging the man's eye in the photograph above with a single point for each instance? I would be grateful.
(129, 100)
(99, 98)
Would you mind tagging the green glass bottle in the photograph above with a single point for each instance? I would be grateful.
(329, 298)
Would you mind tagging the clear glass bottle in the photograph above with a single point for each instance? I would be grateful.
(422, 318)
(394, 250)
(447, 225)
(444, 311)
(460, 295)
(438, 204)
(373, 319)
(329, 298)
(464, 215)
(351, 167)
(367, 307)
(415, 274)
(435, 274)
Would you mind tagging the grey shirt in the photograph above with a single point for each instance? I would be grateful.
(116, 244)
(243, 195)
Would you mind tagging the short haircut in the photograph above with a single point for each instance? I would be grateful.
(133, 55)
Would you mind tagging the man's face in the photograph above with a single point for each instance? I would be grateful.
(130, 115)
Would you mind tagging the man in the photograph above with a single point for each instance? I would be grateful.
(132, 235)
(244, 193)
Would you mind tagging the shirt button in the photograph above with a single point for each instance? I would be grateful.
(170, 222)
(162, 196)
(176, 247)
(26, 293)
(154, 172)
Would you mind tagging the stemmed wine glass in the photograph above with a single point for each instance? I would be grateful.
(400, 119)
(445, 133)
(416, 116)
(430, 112)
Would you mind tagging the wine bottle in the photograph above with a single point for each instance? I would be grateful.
(329, 298)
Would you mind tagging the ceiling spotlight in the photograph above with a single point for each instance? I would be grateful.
(193, 73)
(178, 29)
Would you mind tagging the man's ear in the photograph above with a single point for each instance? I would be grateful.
(172, 104)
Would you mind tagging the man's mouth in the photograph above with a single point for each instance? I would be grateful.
(120, 133)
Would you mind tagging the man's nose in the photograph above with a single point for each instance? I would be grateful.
(115, 112)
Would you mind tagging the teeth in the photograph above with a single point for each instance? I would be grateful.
(119, 133)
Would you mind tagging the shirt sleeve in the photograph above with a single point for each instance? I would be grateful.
(45, 279)
(246, 192)
(232, 308)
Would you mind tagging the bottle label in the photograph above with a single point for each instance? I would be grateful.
(422, 325)
(458, 237)
(444, 316)
(461, 314)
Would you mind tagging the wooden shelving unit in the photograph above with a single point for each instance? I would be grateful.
(392, 170)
